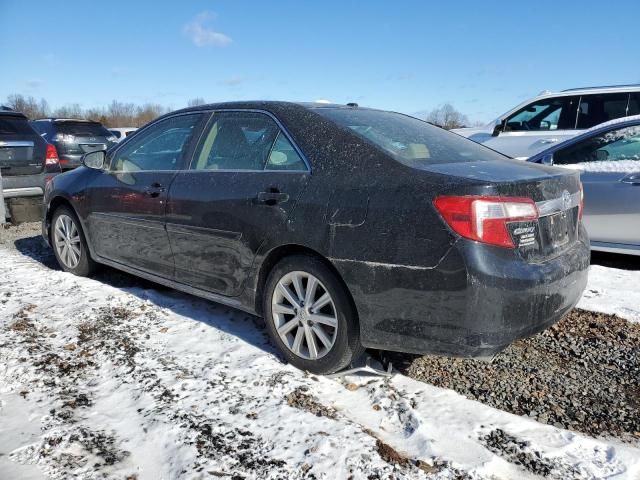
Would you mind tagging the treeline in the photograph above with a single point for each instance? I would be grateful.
(116, 114)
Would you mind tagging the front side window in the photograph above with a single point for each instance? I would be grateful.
(597, 109)
(614, 151)
(408, 140)
(236, 141)
(548, 114)
(160, 147)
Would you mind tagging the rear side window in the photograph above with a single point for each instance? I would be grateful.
(15, 126)
(546, 114)
(597, 109)
(283, 156)
(634, 104)
(408, 140)
(82, 129)
(236, 141)
(617, 150)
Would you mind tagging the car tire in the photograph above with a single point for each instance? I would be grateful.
(320, 336)
(75, 258)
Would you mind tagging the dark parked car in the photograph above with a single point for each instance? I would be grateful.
(26, 160)
(608, 159)
(73, 138)
(344, 227)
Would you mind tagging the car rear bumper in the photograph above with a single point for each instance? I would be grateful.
(474, 303)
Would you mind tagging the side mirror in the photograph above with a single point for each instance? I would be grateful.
(602, 155)
(94, 160)
(497, 129)
(548, 159)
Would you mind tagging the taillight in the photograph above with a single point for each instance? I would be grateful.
(51, 157)
(581, 207)
(485, 218)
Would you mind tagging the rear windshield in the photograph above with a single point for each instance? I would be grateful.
(409, 140)
(15, 126)
(82, 129)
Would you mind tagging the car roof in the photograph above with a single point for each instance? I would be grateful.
(11, 113)
(267, 105)
(53, 119)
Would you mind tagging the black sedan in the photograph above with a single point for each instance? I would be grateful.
(344, 227)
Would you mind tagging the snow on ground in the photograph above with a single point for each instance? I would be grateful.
(146, 383)
(614, 291)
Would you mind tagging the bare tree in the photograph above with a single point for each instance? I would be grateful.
(447, 117)
(194, 102)
(31, 107)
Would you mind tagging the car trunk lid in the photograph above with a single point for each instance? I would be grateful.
(556, 193)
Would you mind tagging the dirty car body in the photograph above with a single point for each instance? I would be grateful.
(362, 199)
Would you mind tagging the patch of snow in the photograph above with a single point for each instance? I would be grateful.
(613, 291)
(158, 384)
(606, 166)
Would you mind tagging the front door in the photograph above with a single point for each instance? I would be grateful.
(242, 184)
(610, 173)
(128, 200)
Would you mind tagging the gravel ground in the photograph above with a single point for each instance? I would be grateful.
(583, 374)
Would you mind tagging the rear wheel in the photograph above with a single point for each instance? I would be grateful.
(69, 244)
(310, 316)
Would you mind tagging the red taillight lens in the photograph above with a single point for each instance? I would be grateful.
(51, 157)
(581, 207)
(485, 218)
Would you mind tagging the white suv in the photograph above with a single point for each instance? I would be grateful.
(552, 117)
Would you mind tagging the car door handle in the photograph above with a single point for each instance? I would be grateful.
(154, 190)
(548, 140)
(271, 198)
(633, 179)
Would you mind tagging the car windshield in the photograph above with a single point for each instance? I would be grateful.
(410, 141)
(82, 129)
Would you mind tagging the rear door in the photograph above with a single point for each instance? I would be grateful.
(610, 172)
(243, 183)
(536, 127)
(128, 200)
(22, 150)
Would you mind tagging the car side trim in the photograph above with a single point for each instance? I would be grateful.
(22, 192)
(198, 292)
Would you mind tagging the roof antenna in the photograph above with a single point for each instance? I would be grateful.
(352, 104)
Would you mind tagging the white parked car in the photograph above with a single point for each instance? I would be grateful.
(552, 117)
(121, 133)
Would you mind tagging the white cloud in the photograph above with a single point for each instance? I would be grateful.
(203, 36)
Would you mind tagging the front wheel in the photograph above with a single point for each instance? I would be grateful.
(69, 243)
(310, 316)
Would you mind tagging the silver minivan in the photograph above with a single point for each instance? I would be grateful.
(550, 118)
(608, 159)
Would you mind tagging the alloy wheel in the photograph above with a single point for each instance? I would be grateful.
(67, 241)
(304, 315)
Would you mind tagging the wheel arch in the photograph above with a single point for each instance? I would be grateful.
(60, 201)
(283, 251)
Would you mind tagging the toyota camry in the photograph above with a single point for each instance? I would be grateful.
(344, 227)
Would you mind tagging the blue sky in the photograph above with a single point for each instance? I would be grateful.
(483, 57)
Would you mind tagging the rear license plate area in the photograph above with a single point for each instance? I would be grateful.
(559, 229)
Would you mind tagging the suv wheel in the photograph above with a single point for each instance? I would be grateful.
(310, 316)
(69, 244)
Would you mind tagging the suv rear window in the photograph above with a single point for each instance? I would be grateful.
(408, 140)
(15, 126)
(82, 129)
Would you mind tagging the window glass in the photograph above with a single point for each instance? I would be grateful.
(236, 141)
(283, 156)
(10, 125)
(614, 151)
(117, 133)
(410, 141)
(547, 114)
(82, 129)
(160, 147)
(596, 109)
(634, 104)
